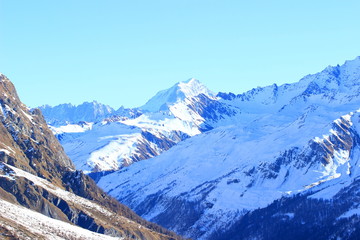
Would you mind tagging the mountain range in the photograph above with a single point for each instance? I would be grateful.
(43, 196)
(126, 136)
(275, 162)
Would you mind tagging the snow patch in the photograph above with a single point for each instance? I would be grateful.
(110, 157)
(5, 151)
(3, 111)
(67, 196)
(350, 213)
(71, 128)
(30, 118)
(43, 226)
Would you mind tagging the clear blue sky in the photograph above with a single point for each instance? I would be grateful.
(121, 52)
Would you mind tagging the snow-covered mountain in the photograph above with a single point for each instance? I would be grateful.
(65, 114)
(179, 92)
(42, 196)
(68, 113)
(275, 146)
(118, 139)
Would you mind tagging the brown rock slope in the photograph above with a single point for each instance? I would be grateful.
(36, 173)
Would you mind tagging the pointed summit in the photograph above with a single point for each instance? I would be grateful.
(194, 87)
(187, 89)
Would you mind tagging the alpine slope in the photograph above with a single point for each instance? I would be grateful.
(259, 165)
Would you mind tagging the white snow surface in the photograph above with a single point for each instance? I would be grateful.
(237, 166)
(223, 159)
(43, 226)
(233, 168)
(5, 151)
(104, 146)
(350, 213)
(71, 128)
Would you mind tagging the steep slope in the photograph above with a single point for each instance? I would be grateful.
(25, 139)
(33, 225)
(282, 140)
(36, 173)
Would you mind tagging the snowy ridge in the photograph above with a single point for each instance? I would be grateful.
(178, 92)
(68, 113)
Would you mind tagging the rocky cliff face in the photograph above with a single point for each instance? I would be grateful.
(27, 142)
(36, 173)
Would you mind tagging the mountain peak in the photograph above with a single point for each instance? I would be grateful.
(340, 77)
(193, 87)
(180, 91)
(87, 111)
(190, 80)
(2, 77)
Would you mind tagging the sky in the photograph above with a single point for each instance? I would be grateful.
(122, 52)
